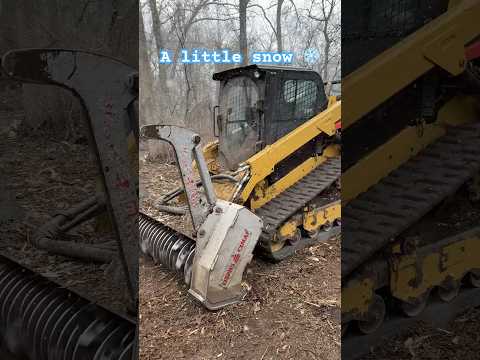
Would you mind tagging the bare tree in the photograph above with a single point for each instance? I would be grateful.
(242, 11)
(278, 31)
(159, 43)
(328, 30)
(146, 76)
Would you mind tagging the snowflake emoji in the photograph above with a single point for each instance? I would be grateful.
(311, 55)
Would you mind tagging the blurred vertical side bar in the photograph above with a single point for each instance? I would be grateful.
(410, 169)
(106, 88)
(69, 262)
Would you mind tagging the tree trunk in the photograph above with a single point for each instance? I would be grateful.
(278, 31)
(242, 9)
(146, 76)
(326, 50)
(159, 43)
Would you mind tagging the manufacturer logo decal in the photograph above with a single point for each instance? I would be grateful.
(235, 257)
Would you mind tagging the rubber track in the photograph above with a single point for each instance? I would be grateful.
(281, 208)
(407, 194)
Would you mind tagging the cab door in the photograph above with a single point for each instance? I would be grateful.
(240, 119)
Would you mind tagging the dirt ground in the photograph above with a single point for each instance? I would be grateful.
(460, 340)
(291, 312)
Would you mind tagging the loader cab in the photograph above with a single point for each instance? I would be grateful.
(260, 104)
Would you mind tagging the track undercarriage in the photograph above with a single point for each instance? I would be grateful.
(307, 212)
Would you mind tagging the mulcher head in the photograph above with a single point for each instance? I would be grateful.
(212, 265)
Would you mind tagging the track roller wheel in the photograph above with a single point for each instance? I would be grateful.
(415, 308)
(448, 292)
(376, 315)
(328, 226)
(474, 279)
(280, 243)
(277, 246)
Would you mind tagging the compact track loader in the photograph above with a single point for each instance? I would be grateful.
(268, 185)
(411, 159)
(38, 318)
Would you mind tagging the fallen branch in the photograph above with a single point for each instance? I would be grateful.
(332, 303)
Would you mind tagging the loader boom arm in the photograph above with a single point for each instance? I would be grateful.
(187, 150)
(263, 163)
(439, 43)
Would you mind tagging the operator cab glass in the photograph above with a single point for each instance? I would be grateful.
(239, 117)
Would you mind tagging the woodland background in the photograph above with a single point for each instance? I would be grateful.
(177, 93)
(185, 94)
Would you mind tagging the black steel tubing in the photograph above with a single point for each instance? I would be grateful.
(39, 320)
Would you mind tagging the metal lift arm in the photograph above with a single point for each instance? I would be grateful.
(263, 163)
(439, 43)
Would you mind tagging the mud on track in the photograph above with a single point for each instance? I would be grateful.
(291, 312)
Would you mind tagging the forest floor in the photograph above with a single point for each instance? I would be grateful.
(291, 312)
(42, 175)
(458, 341)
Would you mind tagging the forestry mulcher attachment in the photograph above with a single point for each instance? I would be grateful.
(38, 318)
(269, 184)
(411, 161)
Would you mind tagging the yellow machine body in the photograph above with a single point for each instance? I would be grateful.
(257, 193)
